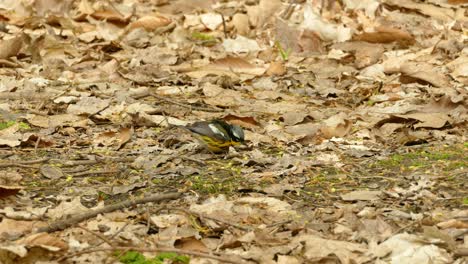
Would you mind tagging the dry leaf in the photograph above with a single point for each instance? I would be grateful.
(425, 72)
(45, 241)
(51, 172)
(150, 23)
(241, 45)
(387, 35)
(11, 47)
(241, 24)
(276, 68)
(211, 20)
(361, 196)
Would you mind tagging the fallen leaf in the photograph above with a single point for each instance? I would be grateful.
(430, 120)
(211, 20)
(318, 249)
(387, 35)
(425, 72)
(44, 240)
(241, 24)
(88, 105)
(361, 196)
(150, 23)
(276, 68)
(51, 172)
(241, 44)
(326, 31)
(407, 248)
(11, 47)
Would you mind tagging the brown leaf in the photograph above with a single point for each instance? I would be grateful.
(45, 241)
(9, 190)
(51, 172)
(336, 126)
(88, 106)
(276, 68)
(244, 121)
(237, 65)
(361, 196)
(110, 15)
(150, 23)
(387, 35)
(11, 47)
(432, 11)
(124, 136)
(429, 120)
(425, 72)
(241, 24)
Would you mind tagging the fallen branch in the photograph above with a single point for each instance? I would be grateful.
(62, 224)
(22, 163)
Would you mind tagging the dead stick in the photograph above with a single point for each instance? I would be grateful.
(62, 224)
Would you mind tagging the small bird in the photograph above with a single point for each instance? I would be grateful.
(217, 135)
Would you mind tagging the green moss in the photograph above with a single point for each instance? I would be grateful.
(7, 124)
(133, 257)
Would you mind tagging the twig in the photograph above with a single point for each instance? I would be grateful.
(4, 165)
(201, 162)
(223, 258)
(62, 224)
(103, 238)
(224, 24)
(22, 163)
(85, 173)
(33, 161)
(116, 233)
(191, 107)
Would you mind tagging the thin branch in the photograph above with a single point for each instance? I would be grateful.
(103, 238)
(62, 224)
(185, 105)
(86, 173)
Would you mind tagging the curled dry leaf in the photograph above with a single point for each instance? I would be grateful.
(276, 68)
(430, 120)
(9, 190)
(45, 241)
(11, 136)
(244, 121)
(237, 65)
(425, 72)
(336, 126)
(111, 138)
(11, 47)
(150, 23)
(110, 15)
(387, 35)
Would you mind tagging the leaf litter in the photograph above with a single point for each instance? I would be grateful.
(354, 113)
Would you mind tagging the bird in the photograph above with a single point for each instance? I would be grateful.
(217, 135)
